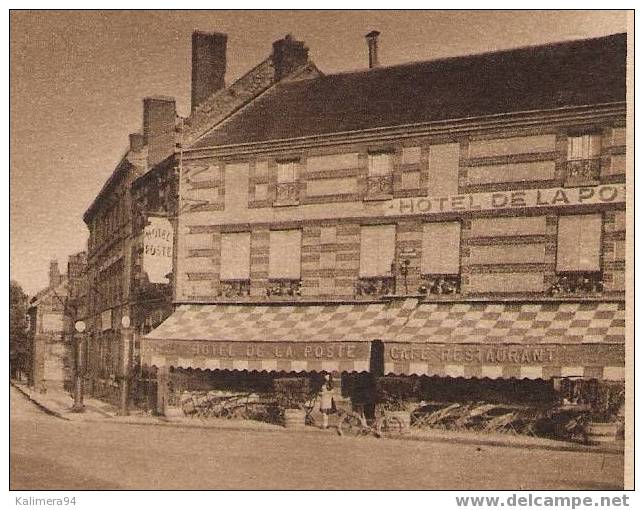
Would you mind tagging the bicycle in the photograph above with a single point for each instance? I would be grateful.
(355, 423)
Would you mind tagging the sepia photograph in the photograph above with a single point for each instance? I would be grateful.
(293, 250)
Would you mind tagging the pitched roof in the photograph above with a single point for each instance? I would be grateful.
(123, 166)
(573, 73)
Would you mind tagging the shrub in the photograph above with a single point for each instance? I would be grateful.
(394, 393)
(609, 400)
(291, 392)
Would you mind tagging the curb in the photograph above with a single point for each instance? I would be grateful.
(564, 447)
(168, 423)
(40, 406)
(479, 441)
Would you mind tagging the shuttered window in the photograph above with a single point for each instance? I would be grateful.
(284, 259)
(380, 164)
(441, 248)
(235, 256)
(287, 172)
(584, 147)
(377, 250)
(579, 243)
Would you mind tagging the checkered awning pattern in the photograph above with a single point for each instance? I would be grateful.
(474, 339)
(290, 323)
(272, 325)
(534, 341)
(515, 323)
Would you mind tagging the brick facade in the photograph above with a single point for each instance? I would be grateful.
(519, 263)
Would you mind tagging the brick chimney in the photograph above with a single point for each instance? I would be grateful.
(159, 118)
(208, 65)
(372, 43)
(288, 55)
(54, 274)
(137, 142)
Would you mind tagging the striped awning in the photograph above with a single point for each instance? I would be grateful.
(272, 337)
(534, 341)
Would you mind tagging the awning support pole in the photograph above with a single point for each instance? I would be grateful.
(162, 390)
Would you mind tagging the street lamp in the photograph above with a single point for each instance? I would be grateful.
(79, 366)
(404, 271)
(126, 340)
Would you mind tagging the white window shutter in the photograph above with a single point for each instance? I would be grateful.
(235, 256)
(284, 259)
(584, 147)
(377, 250)
(594, 146)
(579, 243)
(287, 172)
(380, 164)
(441, 248)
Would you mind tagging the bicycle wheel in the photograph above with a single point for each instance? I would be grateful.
(389, 426)
(350, 425)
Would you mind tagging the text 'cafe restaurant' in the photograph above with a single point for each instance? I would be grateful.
(512, 350)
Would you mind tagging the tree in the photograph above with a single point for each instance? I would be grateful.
(18, 338)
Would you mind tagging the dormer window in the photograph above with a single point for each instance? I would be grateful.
(583, 162)
(288, 188)
(380, 177)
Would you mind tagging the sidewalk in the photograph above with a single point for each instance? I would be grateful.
(59, 404)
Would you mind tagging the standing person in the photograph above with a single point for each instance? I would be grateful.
(326, 400)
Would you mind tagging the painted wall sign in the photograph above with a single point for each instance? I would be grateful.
(511, 354)
(158, 238)
(503, 200)
(343, 351)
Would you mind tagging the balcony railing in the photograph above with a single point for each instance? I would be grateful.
(234, 288)
(287, 193)
(284, 287)
(577, 283)
(375, 286)
(440, 284)
(380, 185)
(583, 170)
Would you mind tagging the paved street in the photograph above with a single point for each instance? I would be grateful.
(49, 453)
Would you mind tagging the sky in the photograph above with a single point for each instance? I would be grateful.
(78, 79)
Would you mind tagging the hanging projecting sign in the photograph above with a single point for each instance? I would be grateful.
(106, 320)
(157, 249)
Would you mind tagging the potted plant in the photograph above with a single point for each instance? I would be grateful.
(291, 393)
(604, 422)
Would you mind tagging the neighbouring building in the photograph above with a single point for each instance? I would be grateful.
(460, 219)
(132, 221)
(52, 313)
